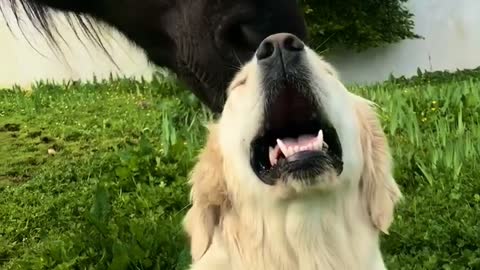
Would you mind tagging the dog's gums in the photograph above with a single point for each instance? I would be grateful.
(288, 146)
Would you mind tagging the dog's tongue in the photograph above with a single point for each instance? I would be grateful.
(290, 146)
(303, 140)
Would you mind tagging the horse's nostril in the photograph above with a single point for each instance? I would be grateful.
(251, 37)
(240, 37)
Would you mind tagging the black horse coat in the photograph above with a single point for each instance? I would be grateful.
(202, 41)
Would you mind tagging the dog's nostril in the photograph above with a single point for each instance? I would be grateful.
(265, 50)
(292, 43)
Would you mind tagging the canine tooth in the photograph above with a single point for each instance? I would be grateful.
(320, 139)
(316, 145)
(271, 155)
(283, 147)
(320, 136)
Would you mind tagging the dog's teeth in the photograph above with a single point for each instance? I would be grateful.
(291, 151)
(283, 147)
(320, 136)
(319, 141)
(271, 155)
(318, 145)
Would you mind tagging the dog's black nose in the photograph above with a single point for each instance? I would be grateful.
(274, 44)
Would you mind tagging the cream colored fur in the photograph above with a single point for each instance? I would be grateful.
(237, 222)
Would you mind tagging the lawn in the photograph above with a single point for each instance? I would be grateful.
(93, 175)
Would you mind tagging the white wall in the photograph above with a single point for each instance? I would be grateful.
(21, 64)
(451, 29)
(452, 41)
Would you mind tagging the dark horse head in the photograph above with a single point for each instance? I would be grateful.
(202, 41)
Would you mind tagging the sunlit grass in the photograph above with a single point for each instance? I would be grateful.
(115, 191)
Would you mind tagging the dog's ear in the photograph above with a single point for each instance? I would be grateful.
(380, 192)
(208, 197)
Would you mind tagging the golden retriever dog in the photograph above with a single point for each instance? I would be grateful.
(296, 172)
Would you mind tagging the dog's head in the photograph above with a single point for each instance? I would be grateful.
(288, 121)
(290, 125)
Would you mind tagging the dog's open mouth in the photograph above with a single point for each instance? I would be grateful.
(296, 140)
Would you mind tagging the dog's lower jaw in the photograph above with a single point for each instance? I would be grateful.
(326, 237)
(309, 170)
(310, 233)
(326, 182)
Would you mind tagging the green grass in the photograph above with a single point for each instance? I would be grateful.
(113, 194)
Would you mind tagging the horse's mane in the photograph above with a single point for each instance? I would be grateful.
(43, 20)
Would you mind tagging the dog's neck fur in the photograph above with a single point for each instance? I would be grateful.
(324, 228)
(237, 224)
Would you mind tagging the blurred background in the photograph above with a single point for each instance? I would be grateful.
(449, 30)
